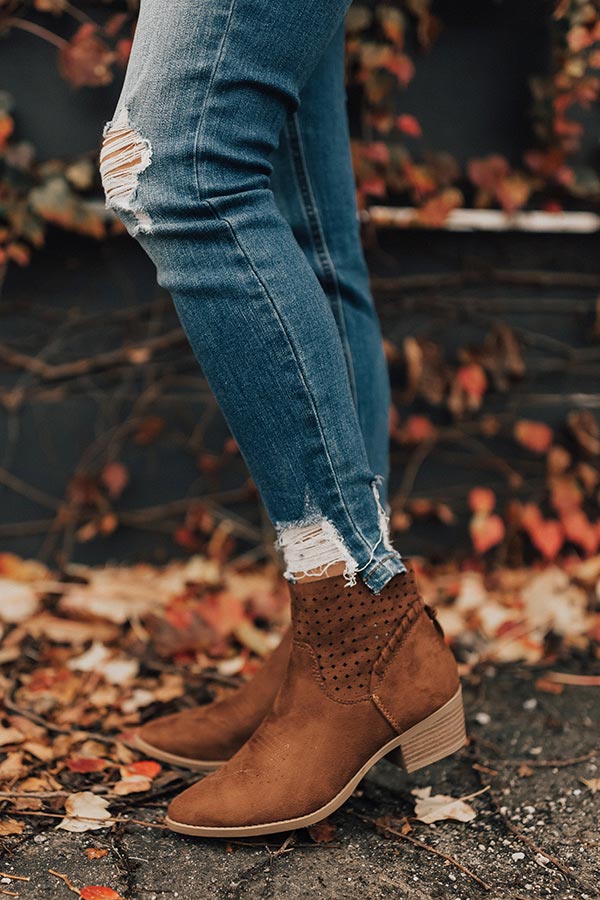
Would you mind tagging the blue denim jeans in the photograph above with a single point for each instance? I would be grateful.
(228, 159)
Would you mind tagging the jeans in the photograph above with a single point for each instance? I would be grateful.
(228, 159)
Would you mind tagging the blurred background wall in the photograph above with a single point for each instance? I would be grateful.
(111, 446)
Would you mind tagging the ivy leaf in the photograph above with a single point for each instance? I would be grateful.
(486, 532)
(86, 61)
(535, 436)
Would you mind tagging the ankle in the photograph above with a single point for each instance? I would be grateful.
(332, 571)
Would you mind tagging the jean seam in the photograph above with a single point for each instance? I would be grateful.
(313, 219)
(213, 74)
(290, 343)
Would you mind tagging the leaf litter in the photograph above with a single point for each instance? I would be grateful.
(89, 654)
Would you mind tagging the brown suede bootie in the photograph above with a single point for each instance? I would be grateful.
(369, 675)
(207, 736)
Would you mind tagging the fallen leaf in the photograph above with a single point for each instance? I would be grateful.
(146, 767)
(85, 764)
(18, 601)
(97, 892)
(96, 852)
(85, 812)
(132, 784)
(438, 807)
(323, 832)
(592, 783)
(11, 826)
(12, 767)
(10, 735)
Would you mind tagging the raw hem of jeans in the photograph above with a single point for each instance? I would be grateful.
(382, 571)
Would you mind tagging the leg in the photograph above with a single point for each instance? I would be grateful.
(313, 183)
(186, 164)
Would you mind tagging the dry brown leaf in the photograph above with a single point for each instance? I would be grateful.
(323, 832)
(132, 784)
(85, 812)
(18, 601)
(68, 631)
(438, 807)
(11, 826)
(592, 783)
(12, 767)
(10, 735)
(96, 852)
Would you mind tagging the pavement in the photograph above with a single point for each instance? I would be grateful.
(535, 834)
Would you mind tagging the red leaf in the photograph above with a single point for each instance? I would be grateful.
(536, 436)
(98, 892)
(472, 380)
(85, 764)
(409, 125)
(486, 532)
(482, 500)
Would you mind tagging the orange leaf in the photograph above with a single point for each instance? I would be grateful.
(482, 500)
(434, 212)
(548, 537)
(531, 517)
(98, 892)
(536, 436)
(565, 494)
(416, 429)
(579, 530)
(472, 380)
(486, 532)
(146, 767)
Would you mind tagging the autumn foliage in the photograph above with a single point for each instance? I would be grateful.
(393, 158)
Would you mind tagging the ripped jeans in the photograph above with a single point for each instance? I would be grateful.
(228, 159)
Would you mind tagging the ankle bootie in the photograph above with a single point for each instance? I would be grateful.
(369, 676)
(206, 737)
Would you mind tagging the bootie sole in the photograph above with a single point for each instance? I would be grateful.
(185, 762)
(439, 735)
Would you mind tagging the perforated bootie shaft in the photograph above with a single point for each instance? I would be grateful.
(369, 676)
(351, 629)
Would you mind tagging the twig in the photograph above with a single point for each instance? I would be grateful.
(575, 680)
(38, 31)
(15, 877)
(406, 837)
(521, 836)
(27, 490)
(547, 763)
(130, 354)
(66, 880)
(112, 821)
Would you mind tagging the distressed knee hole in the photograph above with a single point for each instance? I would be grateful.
(124, 156)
